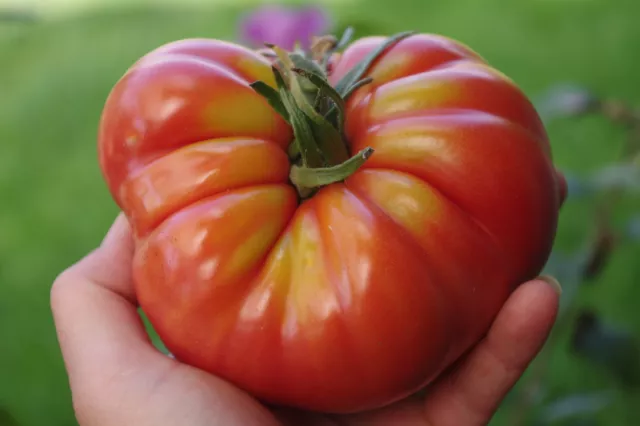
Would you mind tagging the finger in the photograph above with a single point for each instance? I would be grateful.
(110, 264)
(99, 330)
(117, 376)
(472, 392)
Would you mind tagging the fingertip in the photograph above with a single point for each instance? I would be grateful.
(552, 282)
(474, 390)
(530, 312)
(544, 288)
(119, 231)
(110, 264)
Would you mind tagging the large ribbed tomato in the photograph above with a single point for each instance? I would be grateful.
(363, 292)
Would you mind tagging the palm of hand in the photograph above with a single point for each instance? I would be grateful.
(118, 378)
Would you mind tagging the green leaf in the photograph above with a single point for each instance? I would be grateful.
(357, 72)
(272, 96)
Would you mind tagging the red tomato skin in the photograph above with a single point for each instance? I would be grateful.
(366, 292)
(183, 93)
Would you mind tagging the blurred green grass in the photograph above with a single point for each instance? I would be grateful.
(55, 76)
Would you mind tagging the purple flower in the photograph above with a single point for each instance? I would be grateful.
(283, 26)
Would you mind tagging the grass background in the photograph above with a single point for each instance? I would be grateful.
(54, 206)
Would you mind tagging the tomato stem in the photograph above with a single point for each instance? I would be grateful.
(315, 110)
(307, 179)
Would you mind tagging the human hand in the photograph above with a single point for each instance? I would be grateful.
(118, 377)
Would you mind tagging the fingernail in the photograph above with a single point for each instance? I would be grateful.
(552, 282)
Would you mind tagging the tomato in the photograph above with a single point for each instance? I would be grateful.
(364, 290)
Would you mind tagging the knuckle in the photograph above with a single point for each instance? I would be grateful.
(62, 285)
(69, 278)
(93, 405)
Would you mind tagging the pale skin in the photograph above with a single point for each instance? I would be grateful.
(118, 377)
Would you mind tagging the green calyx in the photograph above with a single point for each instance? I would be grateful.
(316, 110)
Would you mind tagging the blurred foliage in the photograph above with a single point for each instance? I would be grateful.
(11, 16)
(6, 419)
(572, 406)
(609, 346)
(56, 74)
(612, 348)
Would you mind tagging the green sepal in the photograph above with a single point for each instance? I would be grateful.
(306, 178)
(345, 39)
(311, 154)
(356, 86)
(325, 89)
(312, 67)
(333, 115)
(301, 62)
(316, 111)
(327, 139)
(357, 72)
(273, 97)
(293, 152)
(341, 44)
